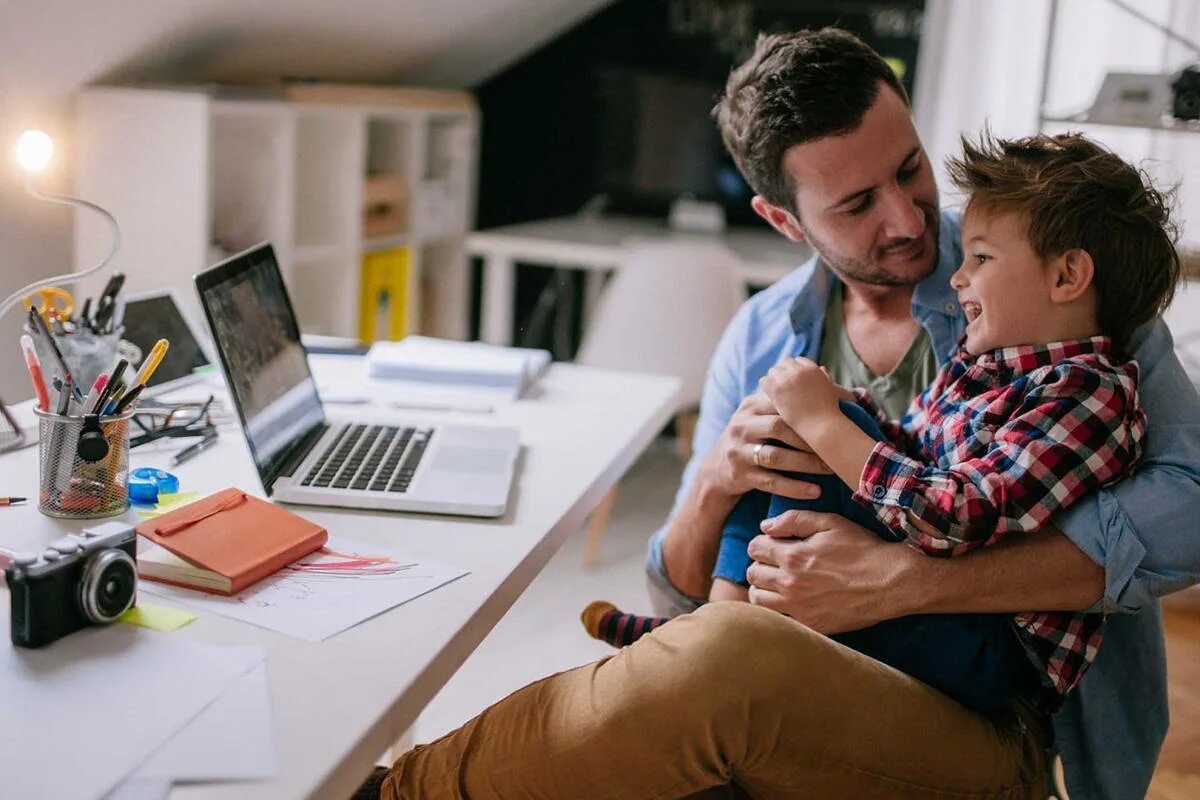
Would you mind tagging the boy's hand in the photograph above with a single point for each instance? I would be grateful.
(800, 390)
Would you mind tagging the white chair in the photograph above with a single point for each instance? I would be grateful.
(663, 311)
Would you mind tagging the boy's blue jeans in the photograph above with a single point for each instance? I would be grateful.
(974, 658)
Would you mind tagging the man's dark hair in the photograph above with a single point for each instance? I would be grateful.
(1071, 192)
(796, 88)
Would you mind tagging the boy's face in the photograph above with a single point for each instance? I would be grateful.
(867, 200)
(1001, 284)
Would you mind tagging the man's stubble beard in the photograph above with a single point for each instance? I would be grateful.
(848, 267)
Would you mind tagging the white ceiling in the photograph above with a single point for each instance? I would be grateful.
(51, 47)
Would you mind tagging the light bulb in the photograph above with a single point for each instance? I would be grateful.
(34, 150)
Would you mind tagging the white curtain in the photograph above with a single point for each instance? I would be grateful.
(982, 61)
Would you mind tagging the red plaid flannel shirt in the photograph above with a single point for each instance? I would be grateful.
(1000, 443)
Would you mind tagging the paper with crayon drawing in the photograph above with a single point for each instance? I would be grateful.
(324, 593)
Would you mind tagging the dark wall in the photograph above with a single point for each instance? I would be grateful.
(542, 118)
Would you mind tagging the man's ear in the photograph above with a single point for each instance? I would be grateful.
(1071, 275)
(778, 218)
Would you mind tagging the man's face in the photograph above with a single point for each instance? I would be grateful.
(867, 200)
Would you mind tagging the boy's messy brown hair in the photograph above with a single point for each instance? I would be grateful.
(1074, 193)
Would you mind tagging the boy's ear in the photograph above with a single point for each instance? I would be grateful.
(1071, 275)
(778, 218)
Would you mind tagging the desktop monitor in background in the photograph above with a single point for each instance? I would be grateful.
(157, 315)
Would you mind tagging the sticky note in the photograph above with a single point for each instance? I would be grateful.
(158, 618)
(169, 502)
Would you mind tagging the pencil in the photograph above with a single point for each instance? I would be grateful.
(11, 501)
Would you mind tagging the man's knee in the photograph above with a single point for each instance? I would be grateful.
(732, 638)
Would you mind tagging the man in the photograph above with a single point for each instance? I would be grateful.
(737, 694)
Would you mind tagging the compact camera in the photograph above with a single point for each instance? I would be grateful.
(79, 580)
(1185, 100)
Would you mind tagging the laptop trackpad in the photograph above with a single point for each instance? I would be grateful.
(476, 460)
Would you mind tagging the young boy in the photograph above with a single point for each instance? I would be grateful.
(1067, 250)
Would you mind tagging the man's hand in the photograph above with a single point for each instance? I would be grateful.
(827, 572)
(801, 390)
(755, 448)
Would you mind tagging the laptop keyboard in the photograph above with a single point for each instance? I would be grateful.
(376, 458)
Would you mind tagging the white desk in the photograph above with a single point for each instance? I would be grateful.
(341, 703)
(594, 244)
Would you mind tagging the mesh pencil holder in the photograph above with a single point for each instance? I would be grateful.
(83, 465)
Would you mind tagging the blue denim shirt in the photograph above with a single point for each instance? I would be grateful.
(1111, 729)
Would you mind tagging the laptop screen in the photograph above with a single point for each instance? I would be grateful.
(258, 340)
(151, 317)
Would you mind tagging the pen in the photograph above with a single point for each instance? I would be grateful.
(114, 380)
(38, 324)
(128, 399)
(189, 452)
(114, 397)
(64, 398)
(35, 372)
(106, 305)
(151, 363)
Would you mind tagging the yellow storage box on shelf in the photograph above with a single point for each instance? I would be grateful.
(383, 310)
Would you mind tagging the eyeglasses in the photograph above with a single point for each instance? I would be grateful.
(173, 421)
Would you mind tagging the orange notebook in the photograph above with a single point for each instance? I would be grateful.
(225, 542)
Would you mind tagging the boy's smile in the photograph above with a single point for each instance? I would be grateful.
(1002, 284)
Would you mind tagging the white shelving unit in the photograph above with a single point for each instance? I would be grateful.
(1168, 148)
(192, 176)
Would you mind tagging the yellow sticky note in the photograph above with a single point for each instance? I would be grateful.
(169, 502)
(158, 618)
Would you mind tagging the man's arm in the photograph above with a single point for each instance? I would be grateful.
(722, 468)
(841, 577)
(1141, 530)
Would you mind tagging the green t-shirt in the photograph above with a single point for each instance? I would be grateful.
(892, 392)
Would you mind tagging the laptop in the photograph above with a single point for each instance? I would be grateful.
(151, 316)
(304, 457)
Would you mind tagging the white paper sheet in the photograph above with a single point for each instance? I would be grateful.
(232, 739)
(343, 380)
(324, 593)
(142, 789)
(81, 714)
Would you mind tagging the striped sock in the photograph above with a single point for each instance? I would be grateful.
(603, 621)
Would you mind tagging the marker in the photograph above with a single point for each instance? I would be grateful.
(97, 388)
(151, 363)
(35, 372)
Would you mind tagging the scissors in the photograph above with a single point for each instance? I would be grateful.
(51, 303)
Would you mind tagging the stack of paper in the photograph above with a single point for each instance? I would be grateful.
(113, 696)
(440, 361)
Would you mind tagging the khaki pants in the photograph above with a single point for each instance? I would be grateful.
(735, 694)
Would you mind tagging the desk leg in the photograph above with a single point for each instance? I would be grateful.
(593, 288)
(498, 290)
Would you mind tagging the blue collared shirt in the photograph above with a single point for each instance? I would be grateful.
(1111, 728)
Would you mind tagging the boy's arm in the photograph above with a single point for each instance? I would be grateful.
(1070, 435)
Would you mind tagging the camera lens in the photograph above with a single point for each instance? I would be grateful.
(108, 586)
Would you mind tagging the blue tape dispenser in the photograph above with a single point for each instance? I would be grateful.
(147, 483)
